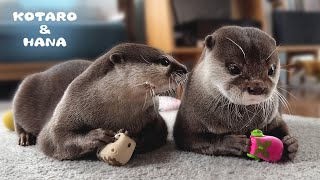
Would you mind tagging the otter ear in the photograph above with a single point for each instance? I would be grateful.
(209, 41)
(116, 58)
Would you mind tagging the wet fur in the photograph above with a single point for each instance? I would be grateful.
(212, 119)
(100, 99)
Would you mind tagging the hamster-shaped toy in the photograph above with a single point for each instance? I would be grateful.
(267, 148)
(119, 152)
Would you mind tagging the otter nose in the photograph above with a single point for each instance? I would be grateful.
(182, 71)
(179, 69)
(256, 88)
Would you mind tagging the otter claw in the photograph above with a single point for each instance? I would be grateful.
(123, 131)
(148, 85)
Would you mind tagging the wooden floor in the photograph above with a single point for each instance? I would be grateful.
(303, 102)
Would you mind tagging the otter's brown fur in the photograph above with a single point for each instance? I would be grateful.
(231, 92)
(95, 101)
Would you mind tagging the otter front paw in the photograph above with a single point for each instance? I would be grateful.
(124, 132)
(121, 131)
(236, 144)
(291, 147)
(100, 137)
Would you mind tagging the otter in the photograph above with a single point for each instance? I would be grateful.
(76, 107)
(231, 92)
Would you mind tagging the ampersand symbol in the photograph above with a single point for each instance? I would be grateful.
(44, 29)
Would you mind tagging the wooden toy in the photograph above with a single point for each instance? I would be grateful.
(119, 152)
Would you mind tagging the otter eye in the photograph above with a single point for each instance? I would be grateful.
(164, 61)
(272, 70)
(129, 145)
(234, 69)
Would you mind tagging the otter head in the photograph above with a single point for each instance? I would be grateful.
(137, 68)
(244, 64)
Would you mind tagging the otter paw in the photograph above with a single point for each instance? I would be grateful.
(26, 139)
(148, 85)
(291, 147)
(236, 144)
(124, 132)
(101, 135)
(121, 131)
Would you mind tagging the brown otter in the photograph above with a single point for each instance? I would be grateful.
(75, 107)
(231, 92)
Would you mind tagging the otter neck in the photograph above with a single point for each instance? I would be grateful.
(242, 118)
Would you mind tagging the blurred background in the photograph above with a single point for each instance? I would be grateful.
(177, 27)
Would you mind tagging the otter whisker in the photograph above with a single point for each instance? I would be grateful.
(146, 85)
(272, 52)
(177, 79)
(180, 88)
(283, 101)
(145, 60)
(178, 75)
(185, 78)
(281, 69)
(284, 104)
(264, 107)
(244, 55)
(223, 105)
(170, 90)
(173, 76)
(145, 100)
(142, 84)
(153, 95)
(283, 98)
(181, 77)
(288, 92)
(269, 104)
(219, 98)
(247, 124)
(287, 86)
(228, 108)
(238, 112)
(173, 93)
(247, 111)
(287, 66)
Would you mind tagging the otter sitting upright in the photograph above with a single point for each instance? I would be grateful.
(75, 107)
(231, 92)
